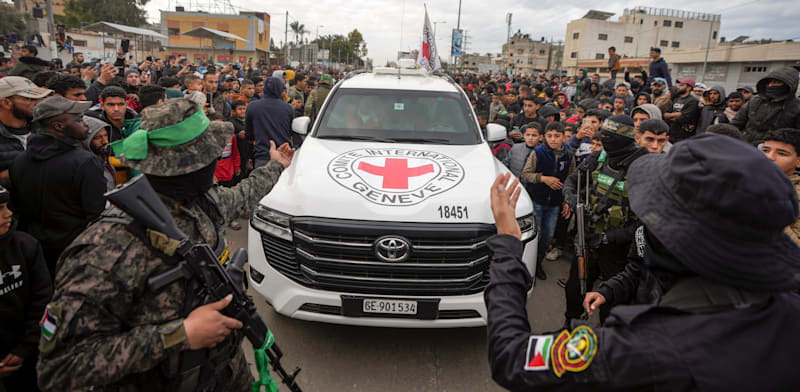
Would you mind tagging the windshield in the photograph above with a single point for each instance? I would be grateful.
(399, 116)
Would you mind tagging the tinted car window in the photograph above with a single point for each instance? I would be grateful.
(399, 115)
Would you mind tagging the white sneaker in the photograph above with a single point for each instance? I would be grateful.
(553, 255)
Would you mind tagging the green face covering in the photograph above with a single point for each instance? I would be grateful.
(135, 146)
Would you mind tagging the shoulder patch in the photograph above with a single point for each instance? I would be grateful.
(640, 241)
(573, 352)
(537, 357)
(49, 326)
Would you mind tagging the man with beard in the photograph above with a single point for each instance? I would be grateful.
(775, 106)
(18, 96)
(734, 103)
(609, 223)
(682, 117)
(715, 105)
(57, 185)
(97, 142)
(660, 96)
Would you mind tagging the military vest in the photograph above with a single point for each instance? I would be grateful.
(608, 208)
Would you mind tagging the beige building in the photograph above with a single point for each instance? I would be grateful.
(524, 55)
(730, 64)
(636, 31)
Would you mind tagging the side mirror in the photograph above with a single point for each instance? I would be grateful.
(494, 132)
(300, 125)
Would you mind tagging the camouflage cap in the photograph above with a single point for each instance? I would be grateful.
(184, 158)
(618, 128)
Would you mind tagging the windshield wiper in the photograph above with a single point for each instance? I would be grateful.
(354, 137)
(420, 141)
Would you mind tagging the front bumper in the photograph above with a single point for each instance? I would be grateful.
(294, 300)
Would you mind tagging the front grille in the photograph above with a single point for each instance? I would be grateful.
(451, 314)
(338, 255)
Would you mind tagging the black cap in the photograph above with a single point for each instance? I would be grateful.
(720, 207)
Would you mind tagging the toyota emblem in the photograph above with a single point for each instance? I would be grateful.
(392, 249)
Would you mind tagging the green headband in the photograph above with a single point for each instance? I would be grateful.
(619, 128)
(135, 146)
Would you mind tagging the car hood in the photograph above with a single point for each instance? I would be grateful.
(390, 182)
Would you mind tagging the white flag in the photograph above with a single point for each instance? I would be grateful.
(428, 56)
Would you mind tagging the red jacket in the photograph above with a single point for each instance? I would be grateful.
(229, 162)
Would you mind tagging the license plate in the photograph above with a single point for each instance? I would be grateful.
(387, 306)
(421, 309)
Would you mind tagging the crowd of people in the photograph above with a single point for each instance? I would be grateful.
(64, 132)
(69, 134)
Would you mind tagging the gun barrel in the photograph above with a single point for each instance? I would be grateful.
(138, 199)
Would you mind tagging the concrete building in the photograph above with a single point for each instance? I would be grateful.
(27, 6)
(525, 55)
(477, 63)
(252, 27)
(730, 64)
(636, 31)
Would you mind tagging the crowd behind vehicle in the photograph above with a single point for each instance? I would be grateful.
(570, 142)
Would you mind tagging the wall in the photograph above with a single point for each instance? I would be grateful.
(245, 26)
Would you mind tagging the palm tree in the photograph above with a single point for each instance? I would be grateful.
(298, 29)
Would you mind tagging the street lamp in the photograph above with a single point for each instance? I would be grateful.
(434, 27)
(318, 41)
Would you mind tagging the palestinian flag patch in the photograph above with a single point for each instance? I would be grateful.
(49, 324)
(538, 355)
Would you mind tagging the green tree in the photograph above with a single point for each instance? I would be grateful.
(298, 29)
(11, 20)
(127, 12)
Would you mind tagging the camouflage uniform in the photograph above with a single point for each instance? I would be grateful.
(112, 332)
(317, 97)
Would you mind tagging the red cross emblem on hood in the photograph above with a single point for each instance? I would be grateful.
(396, 172)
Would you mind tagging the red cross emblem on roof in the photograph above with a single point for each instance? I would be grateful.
(395, 172)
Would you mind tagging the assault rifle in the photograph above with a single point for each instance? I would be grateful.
(137, 199)
(582, 251)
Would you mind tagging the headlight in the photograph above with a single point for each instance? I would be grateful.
(527, 224)
(272, 222)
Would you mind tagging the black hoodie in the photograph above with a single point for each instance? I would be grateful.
(269, 118)
(25, 289)
(57, 188)
(761, 113)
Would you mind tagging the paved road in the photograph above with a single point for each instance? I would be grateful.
(348, 358)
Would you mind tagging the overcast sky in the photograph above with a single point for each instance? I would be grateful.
(381, 21)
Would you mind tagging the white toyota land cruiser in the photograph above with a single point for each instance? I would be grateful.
(383, 216)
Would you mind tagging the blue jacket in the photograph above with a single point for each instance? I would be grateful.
(269, 118)
(549, 165)
(659, 69)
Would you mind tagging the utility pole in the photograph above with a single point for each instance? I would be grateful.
(51, 28)
(458, 27)
(708, 46)
(508, 22)
(286, 36)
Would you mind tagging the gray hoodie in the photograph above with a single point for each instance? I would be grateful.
(652, 110)
(95, 125)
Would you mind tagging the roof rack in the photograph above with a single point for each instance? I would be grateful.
(354, 73)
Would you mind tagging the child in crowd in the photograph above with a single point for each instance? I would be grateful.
(619, 106)
(520, 152)
(782, 146)
(545, 171)
(597, 142)
(26, 287)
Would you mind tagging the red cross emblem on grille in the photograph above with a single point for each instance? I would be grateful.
(396, 172)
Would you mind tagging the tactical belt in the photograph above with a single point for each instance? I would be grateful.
(698, 295)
